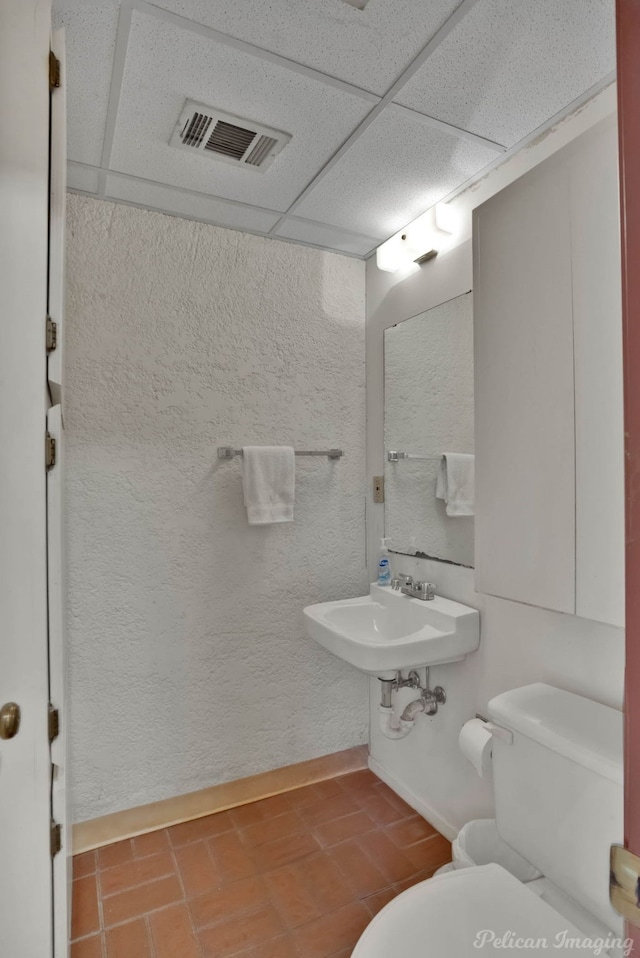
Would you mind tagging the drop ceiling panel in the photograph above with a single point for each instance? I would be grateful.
(189, 205)
(397, 169)
(369, 48)
(306, 231)
(90, 39)
(85, 178)
(509, 66)
(165, 65)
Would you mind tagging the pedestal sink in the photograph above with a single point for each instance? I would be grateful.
(385, 631)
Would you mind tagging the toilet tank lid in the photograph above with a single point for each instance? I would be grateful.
(582, 730)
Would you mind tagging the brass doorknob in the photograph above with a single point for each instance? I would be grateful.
(9, 720)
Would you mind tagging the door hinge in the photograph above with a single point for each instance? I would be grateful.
(56, 838)
(53, 723)
(624, 883)
(52, 334)
(54, 71)
(49, 450)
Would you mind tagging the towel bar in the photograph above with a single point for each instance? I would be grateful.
(228, 452)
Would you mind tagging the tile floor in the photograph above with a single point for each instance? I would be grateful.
(298, 875)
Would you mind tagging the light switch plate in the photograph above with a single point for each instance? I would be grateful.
(378, 488)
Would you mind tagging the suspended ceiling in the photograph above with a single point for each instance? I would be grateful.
(391, 108)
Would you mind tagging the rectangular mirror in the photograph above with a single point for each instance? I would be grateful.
(428, 410)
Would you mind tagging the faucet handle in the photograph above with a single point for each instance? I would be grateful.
(426, 590)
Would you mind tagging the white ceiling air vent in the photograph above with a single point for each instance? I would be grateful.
(228, 138)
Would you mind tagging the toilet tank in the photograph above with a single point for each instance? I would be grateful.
(558, 788)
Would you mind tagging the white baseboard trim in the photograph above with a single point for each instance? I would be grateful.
(445, 827)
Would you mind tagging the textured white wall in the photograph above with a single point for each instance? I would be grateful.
(189, 665)
(428, 410)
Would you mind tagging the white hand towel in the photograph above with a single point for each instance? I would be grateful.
(456, 483)
(268, 483)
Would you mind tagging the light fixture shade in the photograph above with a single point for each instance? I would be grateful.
(426, 235)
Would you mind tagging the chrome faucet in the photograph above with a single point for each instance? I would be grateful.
(415, 590)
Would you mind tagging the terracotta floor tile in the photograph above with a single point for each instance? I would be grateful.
(111, 855)
(289, 823)
(284, 850)
(232, 859)
(200, 829)
(136, 872)
(338, 830)
(291, 897)
(140, 900)
(84, 864)
(381, 898)
(380, 809)
(408, 831)
(281, 947)
(325, 881)
(297, 875)
(151, 844)
(317, 792)
(326, 810)
(240, 933)
(172, 933)
(387, 856)
(398, 803)
(431, 853)
(414, 880)
(242, 896)
(337, 930)
(129, 941)
(85, 918)
(87, 948)
(363, 780)
(361, 873)
(197, 868)
(245, 815)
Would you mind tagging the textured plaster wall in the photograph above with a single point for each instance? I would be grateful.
(189, 664)
(428, 410)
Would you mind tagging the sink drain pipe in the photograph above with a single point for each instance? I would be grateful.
(427, 703)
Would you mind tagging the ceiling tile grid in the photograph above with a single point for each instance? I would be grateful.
(84, 179)
(369, 48)
(516, 64)
(165, 65)
(358, 167)
(196, 206)
(90, 40)
(308, 231)
(397, 169)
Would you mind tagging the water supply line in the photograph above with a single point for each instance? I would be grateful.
(426, 703)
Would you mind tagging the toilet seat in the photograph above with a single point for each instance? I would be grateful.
(442, 917)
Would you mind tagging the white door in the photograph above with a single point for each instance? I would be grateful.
(25, 768)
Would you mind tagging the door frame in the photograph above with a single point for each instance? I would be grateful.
(628, 44)
(25, 762)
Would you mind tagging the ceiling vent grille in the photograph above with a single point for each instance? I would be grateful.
(227, 138)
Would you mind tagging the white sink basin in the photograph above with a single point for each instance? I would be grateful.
(385, 631)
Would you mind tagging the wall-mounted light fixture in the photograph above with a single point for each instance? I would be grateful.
(418, 242)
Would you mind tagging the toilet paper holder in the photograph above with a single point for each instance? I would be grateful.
(497, 730)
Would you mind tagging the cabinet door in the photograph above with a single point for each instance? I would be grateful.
(524, 392)
(597, 318)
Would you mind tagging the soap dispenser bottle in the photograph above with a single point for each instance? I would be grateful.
(384, 568)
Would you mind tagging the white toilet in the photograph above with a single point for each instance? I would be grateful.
(557, 767)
